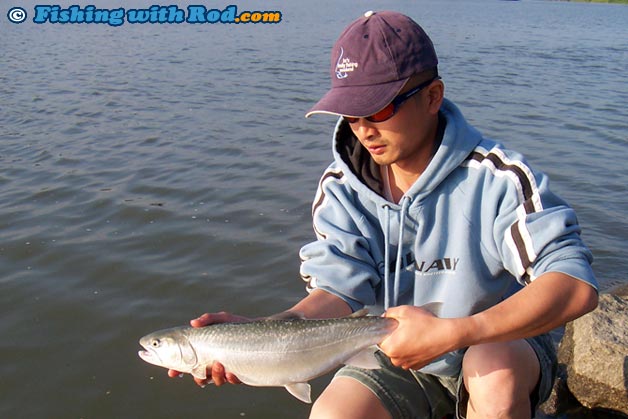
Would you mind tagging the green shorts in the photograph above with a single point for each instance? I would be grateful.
(411, 394)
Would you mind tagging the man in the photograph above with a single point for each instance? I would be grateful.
(419, 210)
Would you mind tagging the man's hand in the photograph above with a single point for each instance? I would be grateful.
(217, 371)
(419, 338)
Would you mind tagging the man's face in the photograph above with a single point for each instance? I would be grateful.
(404, 140)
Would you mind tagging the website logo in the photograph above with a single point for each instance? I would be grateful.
(171, 14)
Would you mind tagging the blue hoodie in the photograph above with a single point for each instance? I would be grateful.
(476, 226)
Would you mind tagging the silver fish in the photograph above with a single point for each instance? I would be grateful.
(285, 353)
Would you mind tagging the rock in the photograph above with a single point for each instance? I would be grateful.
(594, 351)
(560, 400)
(621, 291)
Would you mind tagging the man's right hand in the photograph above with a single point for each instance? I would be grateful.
(216, 372)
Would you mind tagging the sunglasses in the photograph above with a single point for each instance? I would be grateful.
(391, 109)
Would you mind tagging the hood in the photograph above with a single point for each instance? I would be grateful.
(458, 141)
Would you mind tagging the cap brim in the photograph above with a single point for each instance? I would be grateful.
(357, 101)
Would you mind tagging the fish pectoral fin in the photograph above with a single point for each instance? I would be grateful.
(365, 359)
(300, 390)
(200, 371)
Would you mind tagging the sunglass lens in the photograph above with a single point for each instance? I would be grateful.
(380, 116)
(384, 114)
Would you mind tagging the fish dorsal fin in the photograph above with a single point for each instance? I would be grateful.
(286, 315)
(300, 390)
(365, 359)
(360, 313)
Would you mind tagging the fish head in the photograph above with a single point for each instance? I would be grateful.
(169, 348)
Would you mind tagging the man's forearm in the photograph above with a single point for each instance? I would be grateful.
(318, 304)
(550, 301)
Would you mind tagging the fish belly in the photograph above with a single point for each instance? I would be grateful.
(278, 368)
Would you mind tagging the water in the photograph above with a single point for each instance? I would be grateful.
(150, 173)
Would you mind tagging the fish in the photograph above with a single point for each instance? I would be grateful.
(269, 353)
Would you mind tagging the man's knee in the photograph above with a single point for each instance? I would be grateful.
(499, 378)
(347, 398)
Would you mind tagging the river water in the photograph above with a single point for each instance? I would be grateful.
(150, 173)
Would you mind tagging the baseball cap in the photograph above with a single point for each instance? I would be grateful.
(372, 60)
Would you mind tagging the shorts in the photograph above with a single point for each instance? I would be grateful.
(411, 394)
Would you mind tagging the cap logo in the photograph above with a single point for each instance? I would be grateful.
(344, 66)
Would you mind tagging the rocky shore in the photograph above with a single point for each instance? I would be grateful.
(592, 381)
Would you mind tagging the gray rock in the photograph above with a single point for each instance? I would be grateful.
(621, 291)
(594, 350)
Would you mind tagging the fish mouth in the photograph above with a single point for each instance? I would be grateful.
(145, 355)
(149, 356)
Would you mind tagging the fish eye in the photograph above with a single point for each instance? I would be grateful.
(155, 343)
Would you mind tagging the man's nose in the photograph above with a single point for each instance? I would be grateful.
(364, 129)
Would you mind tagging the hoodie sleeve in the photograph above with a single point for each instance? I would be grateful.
(535, 230)
(340, 261)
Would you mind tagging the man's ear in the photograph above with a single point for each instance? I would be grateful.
(435, 94)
